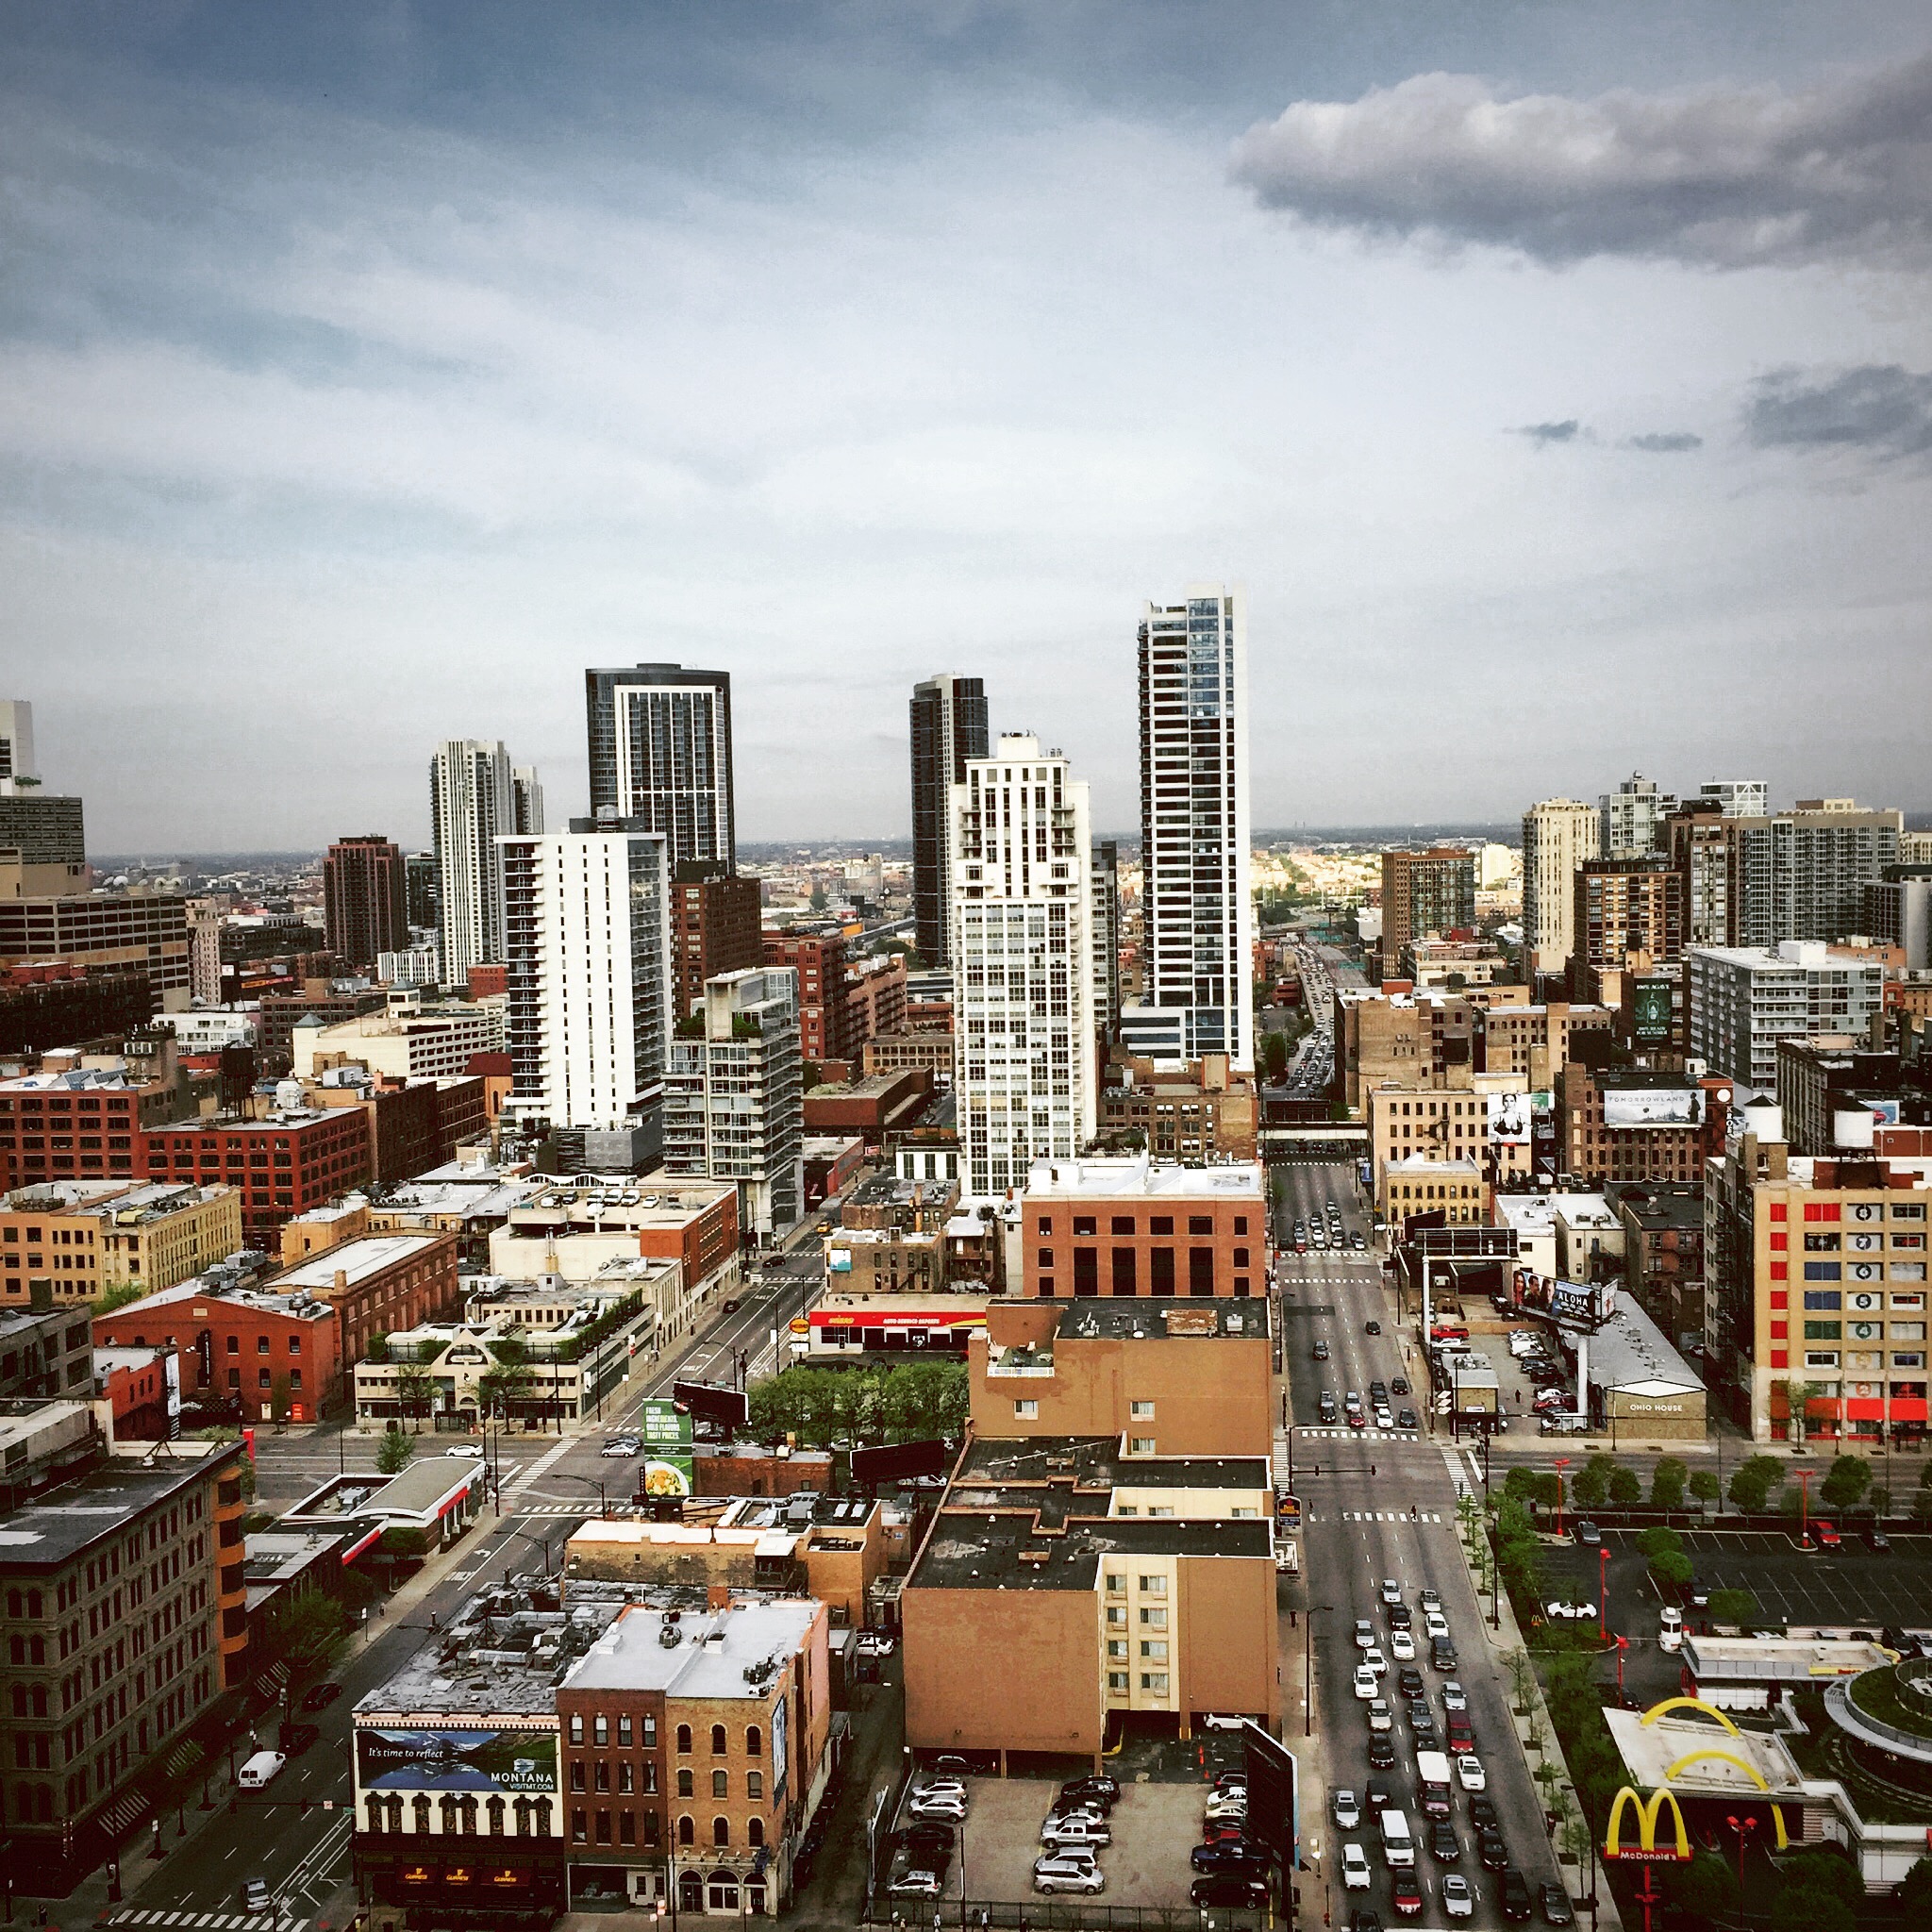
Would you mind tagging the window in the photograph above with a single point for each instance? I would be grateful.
(600, 1732)
(624, 1733)
(576, 1777)
(579, 1828)
(1154, 1619)
(1153, 1585)
(1122, 1260)
(720, 1784)
(1086, 1273)
(754, 1785)
(1115, 1583)
(1160, 1270)
(1161, 1223)
(1822, 1298)
(1116, 1614)
(684, 1737)
(1026, 1412)
(1121, 1223)
(577, 1729)
(721, 1832)
(1045, 1225)
(1117, 1681)
(1140, 1445)
(684, 1835)
(1200, 1224)
(719, 1743)
(1083, 1224)
(685, 1787)
(1820, 1270)
(1241, 1224)
(1820, 1359)
(1155, 1650)
(1140, 1412)
(1200, 1270)
(1155, 1681)
(754, 1742)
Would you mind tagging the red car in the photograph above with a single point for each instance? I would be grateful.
(1820, 1535)
(1406, 1894)
(1221, 1831)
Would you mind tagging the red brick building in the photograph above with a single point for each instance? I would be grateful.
(715, 929)
(284, 1165)
(1124, 1227)
(820, 962)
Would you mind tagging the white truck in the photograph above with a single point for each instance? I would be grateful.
(1432, 1782)
(1398, 1844)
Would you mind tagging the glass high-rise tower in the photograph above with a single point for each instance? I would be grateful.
(660, 757)
(948, 727)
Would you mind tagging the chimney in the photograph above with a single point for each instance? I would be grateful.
(342, 1281)
(718, 1597)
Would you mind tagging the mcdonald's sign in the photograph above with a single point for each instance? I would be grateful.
(1648, 1810)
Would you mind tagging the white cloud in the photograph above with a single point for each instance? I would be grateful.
(1727, 176)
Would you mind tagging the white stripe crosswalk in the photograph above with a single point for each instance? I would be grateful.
(1358, 1435)
(205, 1922)
(1373, 1516)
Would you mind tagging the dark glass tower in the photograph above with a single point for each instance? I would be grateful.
(948, 727)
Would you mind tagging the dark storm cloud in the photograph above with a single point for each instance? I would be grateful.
(1543, 434)
(1665, 442)
(1879, 408)
(1723, 175)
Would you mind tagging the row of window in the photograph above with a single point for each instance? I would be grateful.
(1156, 1224)
(599, 1733)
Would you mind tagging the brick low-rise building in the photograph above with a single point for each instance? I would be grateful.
(1124, 1226)
(284, 1164)
(1621, 1124)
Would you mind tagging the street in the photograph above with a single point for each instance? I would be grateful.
(296, 1832)
(1357, 1489)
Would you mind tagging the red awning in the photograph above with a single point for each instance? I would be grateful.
(1865, 1408)
(1909, 1409)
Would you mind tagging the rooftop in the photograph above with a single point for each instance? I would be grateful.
(1653, 1751)
(1629, 1352)
(986, 1550)
(737, 1652)
(1091, 1463)
(57, 1527)
(498, 1656)
(1661, 1204)
(1779, 1660)
(300, 1307)
(1135, 1176)
(357, 1258)
(1143, 1320)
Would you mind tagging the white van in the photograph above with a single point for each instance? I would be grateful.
(260, 1770)
(1398, 1847)
(1669, 1634)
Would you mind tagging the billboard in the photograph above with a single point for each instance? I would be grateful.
(1650, 1012)
(894, 1461)
(839, 1260)
(1273, 1795)
(1509, 1118)
(1577, 1304)
(711, 1404)
(446, 1760)
(665, 1432)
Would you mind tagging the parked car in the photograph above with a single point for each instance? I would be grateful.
(1458, 1896)
(1228, 1889)
(1555, 1900)
(1515, 1895)
(915, 1882)
(1877, 1540)
(874, 1643)
(320, 1696)
(949, 1805)
(1061, 1833)
(1229, 1811)
(1822, 1535)
(1108, 1790)
(934, 1841)
(1067, 1874)
(295, 1739)
(1588, 1535)
(1241, 1856)
(1356, 1874)
(1219, 1721)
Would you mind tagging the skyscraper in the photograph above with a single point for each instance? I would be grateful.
(43, 838)
(474, 797)
(1633, 817)
(1023, 963)
(1196, 903)
(661, 754)
(1107, 937)
(364, 900)
(587, 957)
(1557, 836)
(948, 727)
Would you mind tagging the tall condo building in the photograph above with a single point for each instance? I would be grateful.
(1107, 936)
(1633, 817)
(42, 841)
(1023, 963)
(1196, 905)
(948, 727)
(734, 1107)
(1558, 835)
(1425, 892)
(474, 799)
(661, 754)
(1801, 874)
(1736, 798)
(365, 899)
(586, 953)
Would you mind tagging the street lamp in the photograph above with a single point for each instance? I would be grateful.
(1803, 1476)
(542, 1542)
(1602, 1571)
(1308, 1666)
(589, 1483)
(1743, 1827)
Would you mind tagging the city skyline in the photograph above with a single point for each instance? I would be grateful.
(403, 430)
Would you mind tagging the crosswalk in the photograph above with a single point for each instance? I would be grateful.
(207, 1922)
(553, 1509)
(1387, 1516)
(1358, 1435)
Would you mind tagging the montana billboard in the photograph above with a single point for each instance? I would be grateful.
(447, 1760)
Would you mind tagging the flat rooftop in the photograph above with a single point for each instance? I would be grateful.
(1138, 1317)
(508, 1659)
(1778, 1660)
(1629, 1352)
(1650, 1749)
(1092, 1462)
(1002, 1550)
(1141, 1179)
(59, 1526)
(1661, 1204)
(359, 1259)
(731, 1653)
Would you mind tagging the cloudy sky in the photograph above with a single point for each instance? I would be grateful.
(1557, 377)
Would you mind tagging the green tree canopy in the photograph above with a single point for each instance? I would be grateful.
(1706, 1888)
(306, 1636)
(1801, 1908)
(1704, 1485)
(1673, 1567)
(1845, 1482)
(1753, 1481)
(1914, 1893)
(1626, 1487)
(1658, 1541)
(1827, 1871)
(117, 1298)
(1737, 1607)
(393, 1452)
(1667, 1483)
(1590, 1485)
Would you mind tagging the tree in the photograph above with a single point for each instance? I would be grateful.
(377, 1350)
(306, 1636)
(1753, 1481)
(1537, 1485)
(1673, 1567)
(1277, 1053)
(415, 1389)
(1657, 1542)
(1737, 1607)
(1801, 1909)
(1845, 1481)
(1626, 1488)
(118, 1297)
(1913, 1894)
(1705, 1888)
(1667, 1483)
(393, 1452)
(1704, 1485)
(1827, 1871)
(1590, 1485)
(510, 1380)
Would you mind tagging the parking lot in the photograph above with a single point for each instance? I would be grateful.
(1807, 1591)
(1155, 1827)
